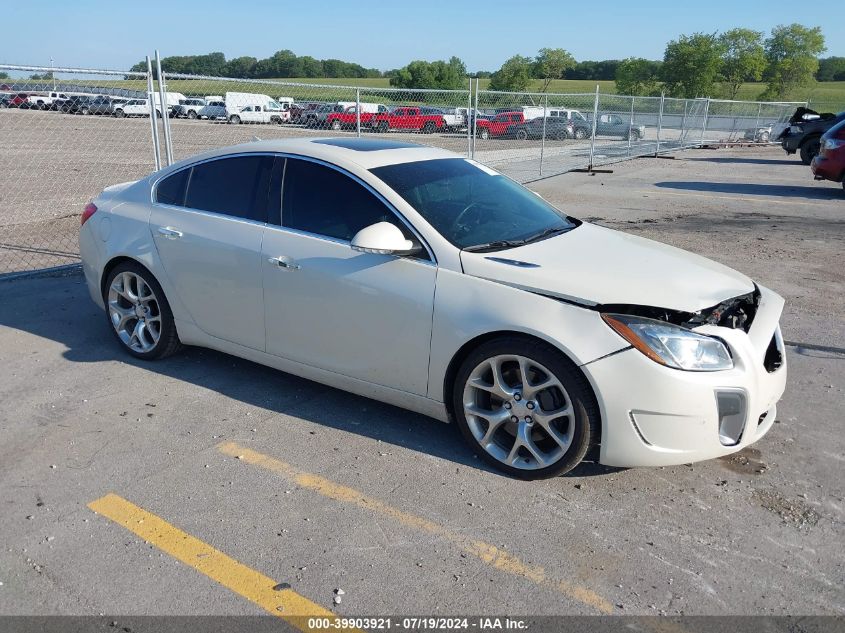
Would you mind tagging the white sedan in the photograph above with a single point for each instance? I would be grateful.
(135, 107)
(425, 280)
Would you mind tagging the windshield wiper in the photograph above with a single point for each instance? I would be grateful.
(496, 245)
(545, 233)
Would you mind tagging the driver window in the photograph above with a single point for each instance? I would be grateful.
(321, 200)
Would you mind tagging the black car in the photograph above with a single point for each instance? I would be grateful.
(77, 104)
(557, 128)
(805, 130)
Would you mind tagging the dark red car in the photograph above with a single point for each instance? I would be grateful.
(829, 163)
(18, 100)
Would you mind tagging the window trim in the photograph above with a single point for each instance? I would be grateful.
(216, 214)
(390, 207)
(285, 155)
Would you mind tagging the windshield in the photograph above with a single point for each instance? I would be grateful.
(472, 206)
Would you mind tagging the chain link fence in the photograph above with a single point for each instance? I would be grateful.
(69, 136)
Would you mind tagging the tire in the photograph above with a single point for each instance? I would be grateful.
(192, 114)
(119, 113)
(633, 135)
(484, 134)
(809, 149)
(428, 127)
(127, 280)
(561, 135)
(764, 137)
(336, 125)
(84, 110)
(522, 135)
(580, 133)
(235, 119)
(574, 418)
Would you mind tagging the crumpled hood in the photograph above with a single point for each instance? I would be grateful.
(595, 265)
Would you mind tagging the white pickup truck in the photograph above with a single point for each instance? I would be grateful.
(455, 118)
(246, 107)
(45, 101)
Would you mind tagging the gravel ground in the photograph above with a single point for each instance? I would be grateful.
(334, 491)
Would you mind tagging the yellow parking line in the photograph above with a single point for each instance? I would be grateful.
(235, 576)
(739, 198)
(487, 553)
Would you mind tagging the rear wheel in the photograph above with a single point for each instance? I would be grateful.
(484, 134)
(633, 135)
(522, 135)
(235, 119)
(764, 137)
(336, 125)
(429, 127)
(119, 113)
(138, 312)
(809, 150)
(192, 114)
(84, 110)
(527, 409)
(580, 133)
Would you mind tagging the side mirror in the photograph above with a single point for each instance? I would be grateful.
(382, 238)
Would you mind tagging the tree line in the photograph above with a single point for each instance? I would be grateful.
(696, 65)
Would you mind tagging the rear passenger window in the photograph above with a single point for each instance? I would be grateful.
(171, 190)
(238, 186)
(321, 200)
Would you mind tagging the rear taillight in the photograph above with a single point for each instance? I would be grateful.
(90, 209)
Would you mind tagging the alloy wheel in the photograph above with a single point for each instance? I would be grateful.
(134, 312)
(519, 412)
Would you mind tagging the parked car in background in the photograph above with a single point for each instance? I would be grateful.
(4, 100)
(189, 108)
(529, 112)
(552, 128)
(19, 100)
(245, 107)
(105, 105)
(829, 163)
(213, 110)
(758, 134)
(615, 125)
(135, 107)
(77, 104)
(45, 101)
(412, 118)
(416, 277)
(454, 118)
(500, 125)
(805, 132)
(581, 127)
(345, 115)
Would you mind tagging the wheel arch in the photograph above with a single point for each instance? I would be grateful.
(466, 349)
(113, 263)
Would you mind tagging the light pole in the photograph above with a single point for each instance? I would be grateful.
(52, 74)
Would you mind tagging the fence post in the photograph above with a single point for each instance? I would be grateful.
(470, 118)
(704, 126)
(631, 126)
(543, 141)
(474, 118)
(358, 112)
(593, 133)
(165, 120)
(660, 122)
(757, 120)
(684, 123)
(153, 125)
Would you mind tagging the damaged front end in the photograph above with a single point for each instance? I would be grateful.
(736, 313)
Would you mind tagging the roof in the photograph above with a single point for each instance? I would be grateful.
(366, 153)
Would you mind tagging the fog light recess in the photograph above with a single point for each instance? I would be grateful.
(732, 406)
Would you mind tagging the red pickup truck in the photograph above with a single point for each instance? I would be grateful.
(421, 119)
(340, 117)
(500, 125)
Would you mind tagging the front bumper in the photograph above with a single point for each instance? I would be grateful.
(790, 143)
(653, 415)
(830, 166)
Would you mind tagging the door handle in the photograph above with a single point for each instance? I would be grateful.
(284, 262)
(171, 234)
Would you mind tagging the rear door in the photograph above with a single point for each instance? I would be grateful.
(207, 223)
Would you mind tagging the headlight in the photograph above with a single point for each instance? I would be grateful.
(671, 345)
(833, 143)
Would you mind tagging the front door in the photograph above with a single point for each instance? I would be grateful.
(361, 315)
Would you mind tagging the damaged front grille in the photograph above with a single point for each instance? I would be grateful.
(737, 313)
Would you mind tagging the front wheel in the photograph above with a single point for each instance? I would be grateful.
(484, 134)
(138, 312)
(527, 409)
(119, 114)
(235, 119)
(522, 135)
(336, 125)
(580, 133)
(192, 115)
(633, 135)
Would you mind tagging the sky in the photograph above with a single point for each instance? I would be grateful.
(383, 35)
